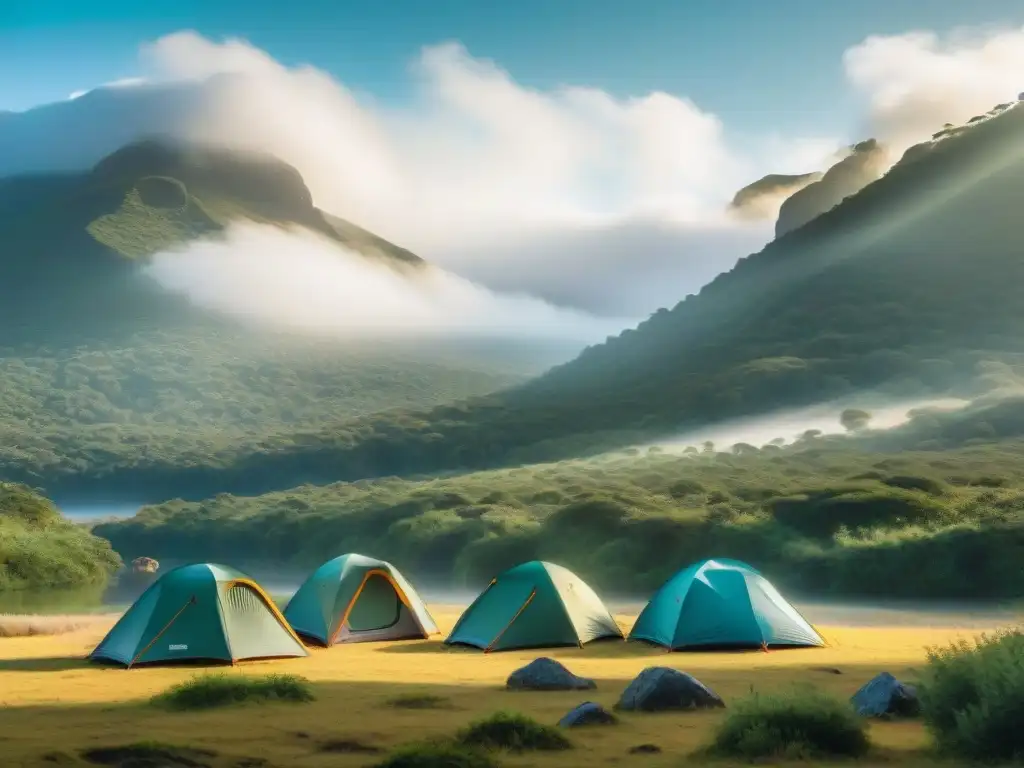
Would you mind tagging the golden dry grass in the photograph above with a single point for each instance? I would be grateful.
(31, 625)
(51, 699)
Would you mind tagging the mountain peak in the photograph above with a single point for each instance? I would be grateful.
(255, 178)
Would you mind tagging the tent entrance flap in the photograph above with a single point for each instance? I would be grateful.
(162, 632)
(529, 599)
(378, 608)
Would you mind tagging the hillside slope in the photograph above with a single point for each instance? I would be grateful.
(834, 516)
(99, 365)
(909, 283)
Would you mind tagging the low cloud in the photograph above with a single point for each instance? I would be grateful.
(514, 187)
(915, 83)
(300, 281)
(124, 82)
(611, 205)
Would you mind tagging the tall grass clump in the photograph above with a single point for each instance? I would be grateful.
(513, 732)
(437, 755)
(211, 691)
(972, 697)
(799, 724)
(12, 625)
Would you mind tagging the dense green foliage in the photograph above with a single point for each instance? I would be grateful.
(513, 732)
(798, 724)
(840, 515)
(972, 698)
(183, 399)
(39, 548)
(211, 691)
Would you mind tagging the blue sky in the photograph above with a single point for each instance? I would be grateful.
(752, 62)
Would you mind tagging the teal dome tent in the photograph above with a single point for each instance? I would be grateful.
(534, 605)
(200, 612)
(721, 604)
(353, 598)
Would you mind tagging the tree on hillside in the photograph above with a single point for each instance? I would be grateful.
(743, 449)
(854, 419)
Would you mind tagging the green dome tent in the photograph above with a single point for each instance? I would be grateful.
(200, 612)
(721, 604)
(534, 605)
(353, 598)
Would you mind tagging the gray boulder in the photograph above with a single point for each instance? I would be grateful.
(659, 689)
(885, 696)
(588, 713)
(546, 674)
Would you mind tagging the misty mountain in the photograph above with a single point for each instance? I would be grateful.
(100, 361)
(75, 241)
(905, 286)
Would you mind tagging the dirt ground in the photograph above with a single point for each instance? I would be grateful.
(53, 701)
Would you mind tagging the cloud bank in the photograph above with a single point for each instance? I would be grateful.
(612, 206)
(299, 280)
(915, 83)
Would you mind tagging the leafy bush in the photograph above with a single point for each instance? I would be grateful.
(972, 697)
(799, 724)
(437, 755)
(822, 513)
(514, 732)
(211, 691)
(40, 549)
(928, 485)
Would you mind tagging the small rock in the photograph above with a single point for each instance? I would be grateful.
(658, 689)
(886, 696)
(546, 674)
(588, 713)
(645, 749)
(145, 565)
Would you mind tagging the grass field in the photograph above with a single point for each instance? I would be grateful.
(55, 702)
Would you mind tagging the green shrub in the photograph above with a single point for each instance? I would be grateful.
(796, 725)
(822, 513)
(210, 691)
(514, 732)
(39, 549)
(927, 485)
(972, 697)
(439, 755)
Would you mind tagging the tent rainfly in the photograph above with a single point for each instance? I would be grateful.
(721, 604)
(534, 605)
(200, 612)
(353, 599)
